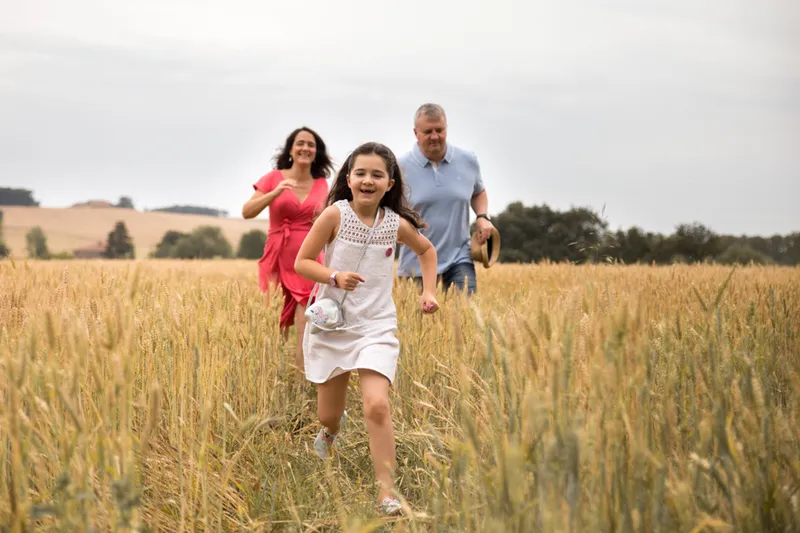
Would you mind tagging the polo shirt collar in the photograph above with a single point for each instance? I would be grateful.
(420, 158)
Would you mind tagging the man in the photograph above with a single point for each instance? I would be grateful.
(443, 182)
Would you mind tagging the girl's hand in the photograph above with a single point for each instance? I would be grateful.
(428, 303)
(348, 280)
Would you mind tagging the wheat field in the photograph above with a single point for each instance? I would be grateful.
(158, 396)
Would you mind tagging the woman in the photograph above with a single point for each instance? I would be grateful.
(295, 192)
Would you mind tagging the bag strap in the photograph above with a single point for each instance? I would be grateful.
(363, 251)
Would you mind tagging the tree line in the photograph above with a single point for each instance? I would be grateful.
(529, 234)
(208, 242)
(15, 197)
(537, 233)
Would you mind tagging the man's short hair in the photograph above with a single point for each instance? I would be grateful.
(432, 111)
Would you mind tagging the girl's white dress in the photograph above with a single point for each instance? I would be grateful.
(369, 310)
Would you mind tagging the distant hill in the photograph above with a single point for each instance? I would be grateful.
(94, 204)
(67, 229)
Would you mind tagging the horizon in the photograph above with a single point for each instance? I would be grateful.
(264, 216)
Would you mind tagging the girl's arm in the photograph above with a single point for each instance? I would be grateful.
(421, 246)
(321, 233)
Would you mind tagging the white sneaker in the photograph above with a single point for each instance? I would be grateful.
(390, 506)
(324, 440)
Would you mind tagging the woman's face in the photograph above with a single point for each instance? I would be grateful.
(304, 149)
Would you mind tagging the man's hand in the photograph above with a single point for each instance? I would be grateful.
(484, 229)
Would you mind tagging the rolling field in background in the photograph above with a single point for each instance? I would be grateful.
(157, 396)
(70, 228)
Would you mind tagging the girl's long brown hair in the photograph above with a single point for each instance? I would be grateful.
(395, 198)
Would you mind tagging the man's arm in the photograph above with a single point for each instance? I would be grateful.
(479, 200)
(480, 203)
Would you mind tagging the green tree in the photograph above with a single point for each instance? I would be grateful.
(251, 245)
(119, 244)
(695, 242)
(632, 246)
(782, 249)
(10, 196)
(535, 233)
(743, 254)
(36, 244)
(792, 249)
(205, 242)
(166, 248)
(125, 202)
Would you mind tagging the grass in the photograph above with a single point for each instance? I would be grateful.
(156, 396)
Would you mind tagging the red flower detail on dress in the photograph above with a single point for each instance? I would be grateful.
(389, 251)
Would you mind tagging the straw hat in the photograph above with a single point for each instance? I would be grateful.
(488, 252)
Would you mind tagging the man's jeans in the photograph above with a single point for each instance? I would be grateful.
(460, 276)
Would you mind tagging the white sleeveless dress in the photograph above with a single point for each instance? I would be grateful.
(369, 310)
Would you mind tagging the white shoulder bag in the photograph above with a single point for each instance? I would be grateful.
(326, 314)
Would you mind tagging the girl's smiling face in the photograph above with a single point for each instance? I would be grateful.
(369, 179)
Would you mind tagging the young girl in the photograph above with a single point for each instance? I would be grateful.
(368, 184)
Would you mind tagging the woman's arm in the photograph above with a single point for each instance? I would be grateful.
(260, 200)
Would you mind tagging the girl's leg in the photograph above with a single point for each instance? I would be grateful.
(375, 393)
(331, 398)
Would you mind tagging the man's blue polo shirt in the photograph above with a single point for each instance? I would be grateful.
(442, 196)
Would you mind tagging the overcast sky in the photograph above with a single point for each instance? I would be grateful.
(663, 111)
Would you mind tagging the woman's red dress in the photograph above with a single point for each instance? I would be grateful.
(289, 222)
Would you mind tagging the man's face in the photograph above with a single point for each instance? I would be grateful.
(431, 134)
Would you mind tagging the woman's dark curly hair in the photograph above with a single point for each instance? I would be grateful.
(395, 198)
(320, 168)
